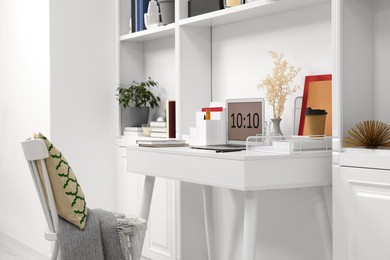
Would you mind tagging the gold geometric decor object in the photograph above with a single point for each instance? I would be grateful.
(370, 134)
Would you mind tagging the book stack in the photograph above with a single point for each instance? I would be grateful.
(158, 129)
(133, 132)
(165, 129)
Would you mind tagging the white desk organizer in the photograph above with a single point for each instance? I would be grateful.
(209, 132)
(289, 144)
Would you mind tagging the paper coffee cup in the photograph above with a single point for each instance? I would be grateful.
(314, 121)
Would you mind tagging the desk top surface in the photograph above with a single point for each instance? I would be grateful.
(235, 170)
(238, 155)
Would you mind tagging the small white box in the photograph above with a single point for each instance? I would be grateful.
(208, 132)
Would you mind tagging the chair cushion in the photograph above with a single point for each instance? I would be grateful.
(68, 195)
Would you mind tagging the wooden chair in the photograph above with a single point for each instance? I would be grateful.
(36, 150)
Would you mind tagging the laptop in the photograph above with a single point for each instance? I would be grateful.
(244, 117)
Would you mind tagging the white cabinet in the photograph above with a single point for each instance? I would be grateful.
(363, 214)
(160, 241)
(361, 177)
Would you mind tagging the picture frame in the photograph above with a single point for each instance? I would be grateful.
(317, 94)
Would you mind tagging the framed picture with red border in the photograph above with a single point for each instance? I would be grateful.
(317, 94)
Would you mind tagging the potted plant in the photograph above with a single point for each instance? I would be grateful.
(135, 101)
(278, 86)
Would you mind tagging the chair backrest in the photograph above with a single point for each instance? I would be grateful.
(36, 150)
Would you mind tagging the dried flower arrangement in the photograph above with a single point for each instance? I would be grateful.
(370, 134)
(278, 85)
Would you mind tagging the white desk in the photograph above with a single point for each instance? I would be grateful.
(245, 171)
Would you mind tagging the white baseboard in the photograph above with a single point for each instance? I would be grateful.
(23, 248)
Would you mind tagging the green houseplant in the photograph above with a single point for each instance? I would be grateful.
(135, 101)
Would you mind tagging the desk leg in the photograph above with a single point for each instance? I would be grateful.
(209, 220)
(147, 197)
(250, 226)
(323, 220)
(144, 211)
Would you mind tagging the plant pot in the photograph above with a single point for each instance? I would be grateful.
(167, 9)
(134, 117)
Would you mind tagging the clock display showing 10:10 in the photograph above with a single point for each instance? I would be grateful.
(248, 121)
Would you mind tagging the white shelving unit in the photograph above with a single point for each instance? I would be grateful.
(183, 57)
(361, 90)
(187, 53)
(150, 34)
(247, 11)
(192, 42)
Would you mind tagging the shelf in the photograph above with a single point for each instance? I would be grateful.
(150, 34)
(365, 158)
(247, 11)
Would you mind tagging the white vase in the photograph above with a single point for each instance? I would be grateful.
(152, 17)
(276, 125)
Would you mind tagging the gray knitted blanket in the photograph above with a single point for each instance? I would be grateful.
(98, 241)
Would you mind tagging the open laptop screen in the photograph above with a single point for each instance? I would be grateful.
(245, 118)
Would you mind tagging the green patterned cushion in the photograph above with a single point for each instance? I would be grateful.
(68, 195)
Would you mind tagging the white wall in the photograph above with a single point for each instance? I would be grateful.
(382, 60)
(288, 227)
(24, 109)
(240, 54)
(83, 83)
(57, 76)
(159, 64)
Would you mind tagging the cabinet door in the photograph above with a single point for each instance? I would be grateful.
(364, 224)
(160, 237)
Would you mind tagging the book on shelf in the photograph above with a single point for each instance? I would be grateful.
(171, 118)
(158, 124)
(162, 143)
(133, 16)
(141, 7)
(133, 129)
(158, 130)
(132, 134)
